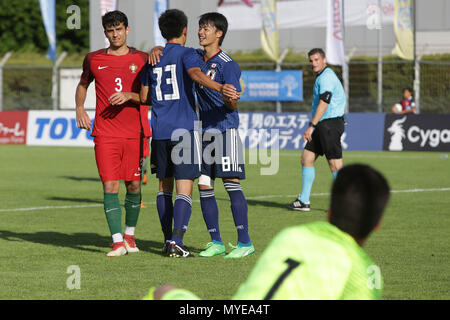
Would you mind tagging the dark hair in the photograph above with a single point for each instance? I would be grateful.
(409, 89)
(216, 19)
(114, 18)
(171, 23)
(315, 51)
(358, 198)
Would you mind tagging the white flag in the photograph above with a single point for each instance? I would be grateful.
(107, 6)
(335, 33)
(48, 15)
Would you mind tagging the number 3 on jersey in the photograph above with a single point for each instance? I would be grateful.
(172, 80)
(118, 82)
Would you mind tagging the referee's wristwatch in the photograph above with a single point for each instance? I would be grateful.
(313, 125)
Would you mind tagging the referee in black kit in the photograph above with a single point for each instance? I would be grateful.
(326, 128)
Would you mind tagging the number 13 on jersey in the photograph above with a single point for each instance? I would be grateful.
(171, 80)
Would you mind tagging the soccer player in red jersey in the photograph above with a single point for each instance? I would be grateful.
(119, 126)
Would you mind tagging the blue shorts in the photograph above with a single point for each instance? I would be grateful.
(180, 159)
(223, 154)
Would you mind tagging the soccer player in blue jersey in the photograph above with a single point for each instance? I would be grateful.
(222, 147)
(324, 133)
(173, 119)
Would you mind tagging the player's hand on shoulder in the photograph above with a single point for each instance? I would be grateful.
(153, 56)
(119, 98)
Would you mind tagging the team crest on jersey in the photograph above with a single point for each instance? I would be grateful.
(133, 68)
(211, 73)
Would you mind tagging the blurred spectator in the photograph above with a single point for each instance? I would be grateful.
(406, 105)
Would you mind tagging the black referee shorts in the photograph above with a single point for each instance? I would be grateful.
(326, 138)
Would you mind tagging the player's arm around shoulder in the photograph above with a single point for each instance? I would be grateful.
(232, 76)
(196, 74)
(227, 90)
(191, 60)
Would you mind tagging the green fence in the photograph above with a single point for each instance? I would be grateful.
(29, 87)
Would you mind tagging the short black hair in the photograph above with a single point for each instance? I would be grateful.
(315, 51)
(171, 23)
(358, 198)
(408, 89)
(216, 19)
(114, 18)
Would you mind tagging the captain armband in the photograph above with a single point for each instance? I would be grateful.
(326, 96)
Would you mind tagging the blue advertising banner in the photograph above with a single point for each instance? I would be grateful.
(272, 85)
(363, 131)
(258, 130)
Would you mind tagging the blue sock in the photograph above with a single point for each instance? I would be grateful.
(210, 213)
(335, 173)
(181, 214)
(308, 175)
(239, 210)
(164, 205)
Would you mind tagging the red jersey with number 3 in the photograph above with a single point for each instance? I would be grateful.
(113, 74)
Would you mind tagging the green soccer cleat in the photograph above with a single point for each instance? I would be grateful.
(240, 252)
(213, 249)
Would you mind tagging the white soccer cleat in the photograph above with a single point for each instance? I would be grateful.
(118, 249)
(130, 243)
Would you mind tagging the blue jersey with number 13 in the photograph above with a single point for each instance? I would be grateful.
(173, 102)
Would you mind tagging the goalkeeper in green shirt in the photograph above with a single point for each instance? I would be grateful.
(324, 260)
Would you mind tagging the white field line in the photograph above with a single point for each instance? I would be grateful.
(249, 198)
(378, 156)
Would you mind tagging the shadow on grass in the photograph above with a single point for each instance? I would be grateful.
(82, 200)
(81, 178)
(265, 203)
(272, 204)
(78, 241)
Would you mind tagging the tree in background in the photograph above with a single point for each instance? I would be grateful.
(22, 28)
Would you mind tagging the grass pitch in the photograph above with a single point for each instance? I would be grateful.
(52, 218)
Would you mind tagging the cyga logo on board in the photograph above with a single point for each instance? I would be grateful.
(417, 133)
